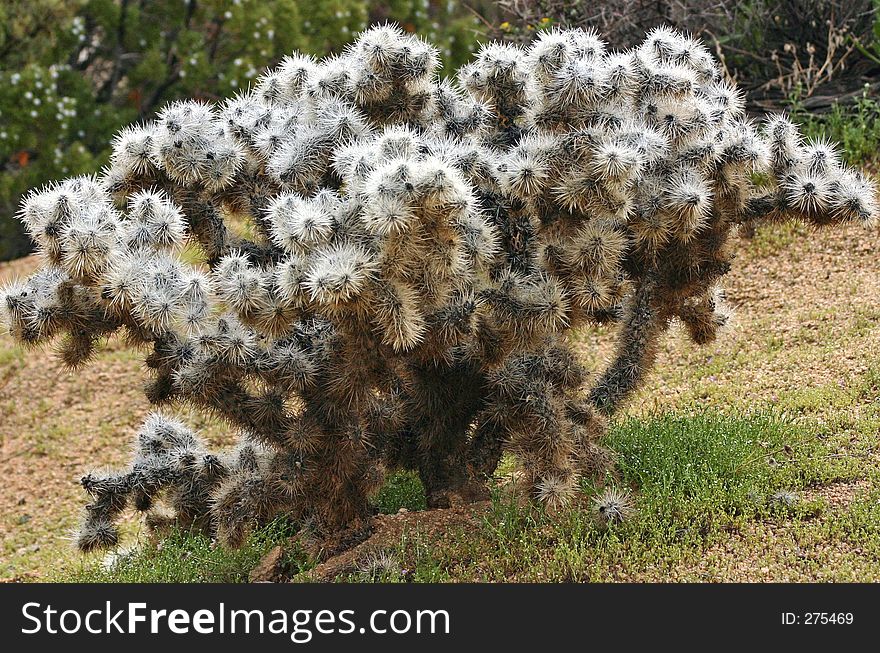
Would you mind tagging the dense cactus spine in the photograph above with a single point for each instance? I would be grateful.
(420, 250)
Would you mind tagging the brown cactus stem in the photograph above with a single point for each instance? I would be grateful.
(640, 330)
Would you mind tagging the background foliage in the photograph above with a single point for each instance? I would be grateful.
(817, 59)
(72, 72)
(773, 48)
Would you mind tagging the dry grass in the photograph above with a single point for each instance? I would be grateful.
(807, 311)
(55, 425)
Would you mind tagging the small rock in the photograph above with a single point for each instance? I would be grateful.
(402, 511)
(269, 568)
(24, 519)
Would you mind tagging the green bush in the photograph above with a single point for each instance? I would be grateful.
(855, 126)
(72, 73)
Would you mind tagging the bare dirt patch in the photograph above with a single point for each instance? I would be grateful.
(388, 530)
(840, 494)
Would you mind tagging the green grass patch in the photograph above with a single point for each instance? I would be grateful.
(695, 478)
(854, 126)
(401, 490)
(11, 359)
(774, 237)
(709, 460)
(859, 525)
(185, 557)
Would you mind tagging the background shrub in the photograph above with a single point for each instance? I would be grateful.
(73, 73)
(816, 50)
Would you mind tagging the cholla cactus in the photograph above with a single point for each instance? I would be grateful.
(421, 248)
(613, 506)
